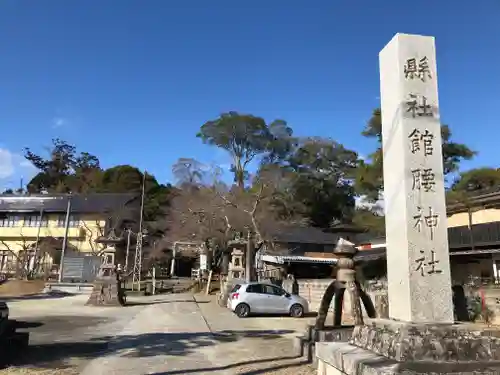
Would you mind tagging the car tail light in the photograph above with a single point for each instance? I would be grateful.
(235, 296)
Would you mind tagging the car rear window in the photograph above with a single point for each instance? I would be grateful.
(235, 288)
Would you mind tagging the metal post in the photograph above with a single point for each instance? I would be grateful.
(37, 239)
(172, 263)
(249, 259)
(136, 276)
(128, 249)
(136, 273)
(65, 239)
(154, 280)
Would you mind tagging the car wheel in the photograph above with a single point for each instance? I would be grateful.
(296, 311)
(242, 310)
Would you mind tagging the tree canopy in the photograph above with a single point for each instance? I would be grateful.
(246, 138)
(277, 177)
(477, 179)
(66, 170)
(369, 179)
(322, 172)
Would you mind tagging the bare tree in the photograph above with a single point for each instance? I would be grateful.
(22, 257)
(212, 213)
(188, 171)
(197, 214)
(92, 235)
(266, 202)
(28, 261)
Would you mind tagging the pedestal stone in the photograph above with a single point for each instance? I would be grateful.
(107, 289)
(407, 342)
(338, 358)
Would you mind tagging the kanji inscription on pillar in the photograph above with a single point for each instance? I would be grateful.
(418, 264)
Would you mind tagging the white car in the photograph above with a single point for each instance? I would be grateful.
(261, 298)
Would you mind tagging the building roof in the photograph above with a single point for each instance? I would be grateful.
(380, 253)
(283, 259)
(80, 203)
(297, 234)
(486, 197)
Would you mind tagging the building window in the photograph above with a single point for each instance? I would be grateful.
(35, 221)
(74, 221)
(9, 221)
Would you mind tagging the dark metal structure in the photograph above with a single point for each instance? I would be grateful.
(345, 280)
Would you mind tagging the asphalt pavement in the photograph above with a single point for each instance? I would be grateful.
(180, 334)
(160, 335)
(64, 333)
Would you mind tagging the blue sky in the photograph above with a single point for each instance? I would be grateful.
(132, 81)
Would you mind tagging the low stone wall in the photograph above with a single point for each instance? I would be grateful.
(69, 288)
(313, 289)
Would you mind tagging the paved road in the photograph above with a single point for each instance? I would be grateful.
(171, 334)
(65, 334)
(182, 335)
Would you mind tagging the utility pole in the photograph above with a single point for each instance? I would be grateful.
(154, 280)
(136, 277)
(65, 239)
(249, 259)
(129, 233)
(37, 243)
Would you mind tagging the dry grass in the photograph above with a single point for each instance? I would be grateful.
(18, 288)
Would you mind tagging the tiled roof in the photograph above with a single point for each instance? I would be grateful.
(296, 234)
(371, 254)
(374, 254)
(82, 203)
(281, 259)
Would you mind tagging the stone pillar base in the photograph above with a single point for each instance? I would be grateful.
(106, 292)
(304, 345)
(402, 341)
(339, 358)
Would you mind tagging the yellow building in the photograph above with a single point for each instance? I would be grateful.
(481, 208)
(32, 227)
(473, 236)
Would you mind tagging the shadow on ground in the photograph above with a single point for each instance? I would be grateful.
(307, 315)
(148, 303)
(37, 296)
(21, 324)
(57, 355)
(275, 361)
